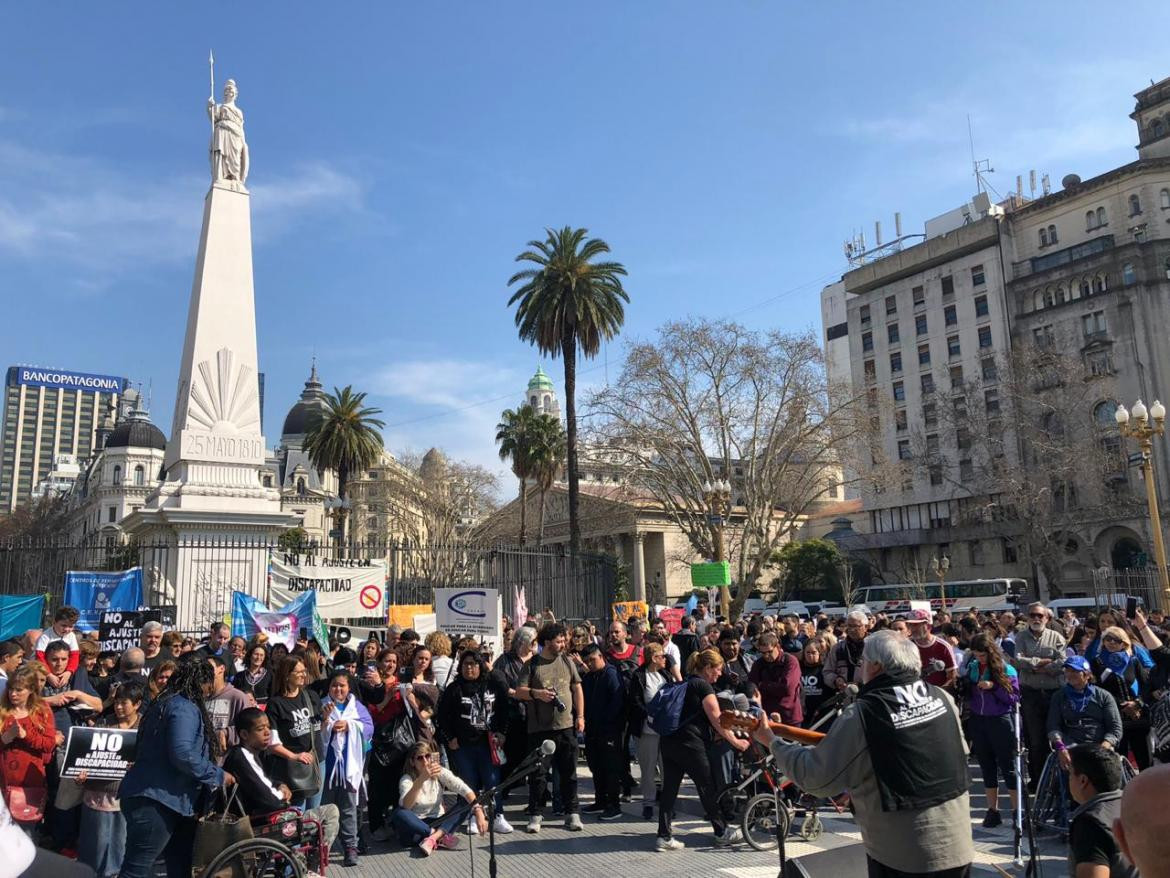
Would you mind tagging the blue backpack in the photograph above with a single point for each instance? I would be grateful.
(664, 712)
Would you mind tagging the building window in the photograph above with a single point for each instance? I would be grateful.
(976, 553)
(1086, 288)
(919, 294)
(899, 391)
(1099, 364)
(1103, 414)
(1164, 199)
(1010, 556)
(920, 324)
(904, 449)
(936, 475)
(891, 305)
(950, 316)
(1043, 237)
(268, 481)
(866, 341)
(1135, 205)
(956, 377)
(870, 371)
(892, 335)
(953, 348)
(927, 382)
(989, 371)
(929, 415)
(1100, 284)
(1127, 274)
(139, 475)
(896, 362)
(1093, 325)
(1157, 129)
(959, 404)
(977, 277)
(991, 401)
(111, 514)
(932, 445)
(1090, 220)
(1042, 336)
(981, 309)
(1052, 234)
(117, 475)
(1101, 219)
(924, 355)
(863, 313)
(966, 471)
(900, 420)
(301, 488)
(948, 286)
(984, 337)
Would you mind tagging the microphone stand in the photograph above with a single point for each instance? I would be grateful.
(1023, 811)
(487, 798)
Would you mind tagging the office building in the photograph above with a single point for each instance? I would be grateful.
(48, 413)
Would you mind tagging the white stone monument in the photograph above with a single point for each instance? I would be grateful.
(212, 491)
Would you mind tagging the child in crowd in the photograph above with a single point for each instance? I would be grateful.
(64, 621)
(102, 841)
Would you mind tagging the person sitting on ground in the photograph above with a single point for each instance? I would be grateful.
(255, 769)
(420, 799)
(1094, 783)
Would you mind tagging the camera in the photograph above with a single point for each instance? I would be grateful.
(559, 704)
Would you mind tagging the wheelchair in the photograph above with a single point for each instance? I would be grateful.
(285, 844)
(1052, 804)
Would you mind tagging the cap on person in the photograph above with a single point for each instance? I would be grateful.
(918, 616)
(1077, 663)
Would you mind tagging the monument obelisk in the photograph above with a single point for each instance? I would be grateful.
(212, 488)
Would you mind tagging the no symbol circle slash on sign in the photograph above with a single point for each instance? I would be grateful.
(370, 597)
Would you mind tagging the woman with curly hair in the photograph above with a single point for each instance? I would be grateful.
(28, 736)
(994, 690)
(175, 765)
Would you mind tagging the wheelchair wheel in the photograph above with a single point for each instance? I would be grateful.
(811, 826)
(761, 822)
(256, 858)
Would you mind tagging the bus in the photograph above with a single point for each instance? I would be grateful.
(977, 594)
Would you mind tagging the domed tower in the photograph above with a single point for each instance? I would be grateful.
(305, 413)
(302, 489)
(542, 395)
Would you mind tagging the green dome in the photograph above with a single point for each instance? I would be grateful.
(540, 381)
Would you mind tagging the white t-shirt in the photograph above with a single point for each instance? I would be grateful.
(429, 801)
(671, 649)
(654, 682)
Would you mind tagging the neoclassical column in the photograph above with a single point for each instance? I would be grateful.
(639, 568)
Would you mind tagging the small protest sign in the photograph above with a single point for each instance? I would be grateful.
(103, 754)
(121, 629)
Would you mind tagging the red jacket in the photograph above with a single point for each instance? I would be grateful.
(779, 683)
(23, 760)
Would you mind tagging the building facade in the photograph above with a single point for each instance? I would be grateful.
(47, 413)
(990, 359)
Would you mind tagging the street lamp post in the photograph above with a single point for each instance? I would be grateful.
(718, 497)
(939, 567)
(1144, 426)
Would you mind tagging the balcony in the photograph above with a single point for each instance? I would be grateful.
(1061, 257)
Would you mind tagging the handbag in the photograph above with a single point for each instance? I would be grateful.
(26, 804)
(215, 832)
(393, 739)
(303, 777)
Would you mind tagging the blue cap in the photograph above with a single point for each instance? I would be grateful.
(1077, 663)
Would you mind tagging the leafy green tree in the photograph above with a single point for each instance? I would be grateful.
(295, 539)
(811, 568)
(517, 435)
(548, 456)
(569, 301)
(345, 440)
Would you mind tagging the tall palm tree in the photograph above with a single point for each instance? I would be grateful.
(346, 440)
(515, 434)
(568, 302)
(548, 456)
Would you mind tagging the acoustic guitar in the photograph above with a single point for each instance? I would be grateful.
(748, 722)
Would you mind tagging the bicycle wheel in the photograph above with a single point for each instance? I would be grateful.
(256, 858)
(760, 821)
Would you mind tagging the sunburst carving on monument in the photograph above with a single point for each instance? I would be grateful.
(224, 396)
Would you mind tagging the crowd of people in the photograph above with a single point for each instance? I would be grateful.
(395, 738)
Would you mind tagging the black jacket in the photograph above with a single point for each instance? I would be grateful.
(471, 708)
(255, 796)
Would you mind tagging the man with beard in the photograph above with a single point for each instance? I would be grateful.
(1039, 660)
(845, 659)
(735, 665)
(938, 659)
(777, 673)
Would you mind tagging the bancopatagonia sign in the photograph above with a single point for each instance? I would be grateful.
(38, 377)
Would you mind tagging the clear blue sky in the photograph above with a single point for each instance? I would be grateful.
(404, 153)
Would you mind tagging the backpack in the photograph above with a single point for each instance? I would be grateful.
(664, 712)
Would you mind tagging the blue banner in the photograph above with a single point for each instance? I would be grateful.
(303, 607)
(95, 591)
(19, 613)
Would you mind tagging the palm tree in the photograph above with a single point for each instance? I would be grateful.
(346, 440)
(515, 435)
(565, 303)
(548, 456)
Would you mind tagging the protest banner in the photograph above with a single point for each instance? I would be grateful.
(474, 611)
(19, 613)
(104, 754)
(403, 614)
(94, 591)
(118, 630)
(346, 588)
(280, 628)
(622, 610)
(424, 624)
(672, 616)
(245, 608)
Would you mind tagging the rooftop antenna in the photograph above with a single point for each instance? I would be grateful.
(1044, 181)
(980, 166)
(1032, 182)
(897, 225)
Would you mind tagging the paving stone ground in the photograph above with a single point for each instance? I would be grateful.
(626, 848)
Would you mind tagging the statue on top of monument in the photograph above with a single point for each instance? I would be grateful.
(229, 150)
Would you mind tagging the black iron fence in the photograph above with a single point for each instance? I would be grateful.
(199, 576)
